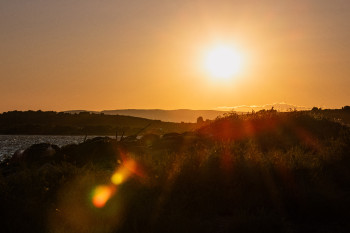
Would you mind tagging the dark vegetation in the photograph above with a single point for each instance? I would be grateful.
(340, 115)
(59, 123)
(261, 172)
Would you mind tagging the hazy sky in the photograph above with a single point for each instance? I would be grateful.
(111, 54)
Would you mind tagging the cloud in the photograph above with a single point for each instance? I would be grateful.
(283, 107)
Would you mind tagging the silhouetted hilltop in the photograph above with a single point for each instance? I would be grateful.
(39, 122)
(179, 115)
(104, 123)
(189, 115)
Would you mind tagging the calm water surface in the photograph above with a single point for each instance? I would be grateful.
(9, 144)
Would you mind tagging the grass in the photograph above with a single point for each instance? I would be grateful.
(263, 172)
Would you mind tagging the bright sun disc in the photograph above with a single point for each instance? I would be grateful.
(222, 62)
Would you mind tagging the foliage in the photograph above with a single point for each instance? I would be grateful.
(261, 172)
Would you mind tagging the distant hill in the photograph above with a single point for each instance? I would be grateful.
(79, 111)
(179, 115)
(281, 107)
(189, 115)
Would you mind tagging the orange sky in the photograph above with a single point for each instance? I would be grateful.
(95, 55)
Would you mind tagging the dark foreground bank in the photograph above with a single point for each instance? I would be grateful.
(264, 172)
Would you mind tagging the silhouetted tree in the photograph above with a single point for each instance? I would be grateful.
(200, 120)
(346, 108)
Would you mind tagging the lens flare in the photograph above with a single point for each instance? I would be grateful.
(131, 166)
(101, 195)
(117, 178)
(124, 172)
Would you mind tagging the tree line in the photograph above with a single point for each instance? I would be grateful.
(60, 123)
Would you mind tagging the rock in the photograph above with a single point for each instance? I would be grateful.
(100, 151)
(37, 153)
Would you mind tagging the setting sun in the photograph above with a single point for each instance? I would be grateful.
(222, 62)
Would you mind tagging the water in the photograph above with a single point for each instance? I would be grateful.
(9, 144)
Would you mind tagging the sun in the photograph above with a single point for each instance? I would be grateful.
(222, 62)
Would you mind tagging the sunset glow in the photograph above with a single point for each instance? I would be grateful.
(86, 55)
(174, 116)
